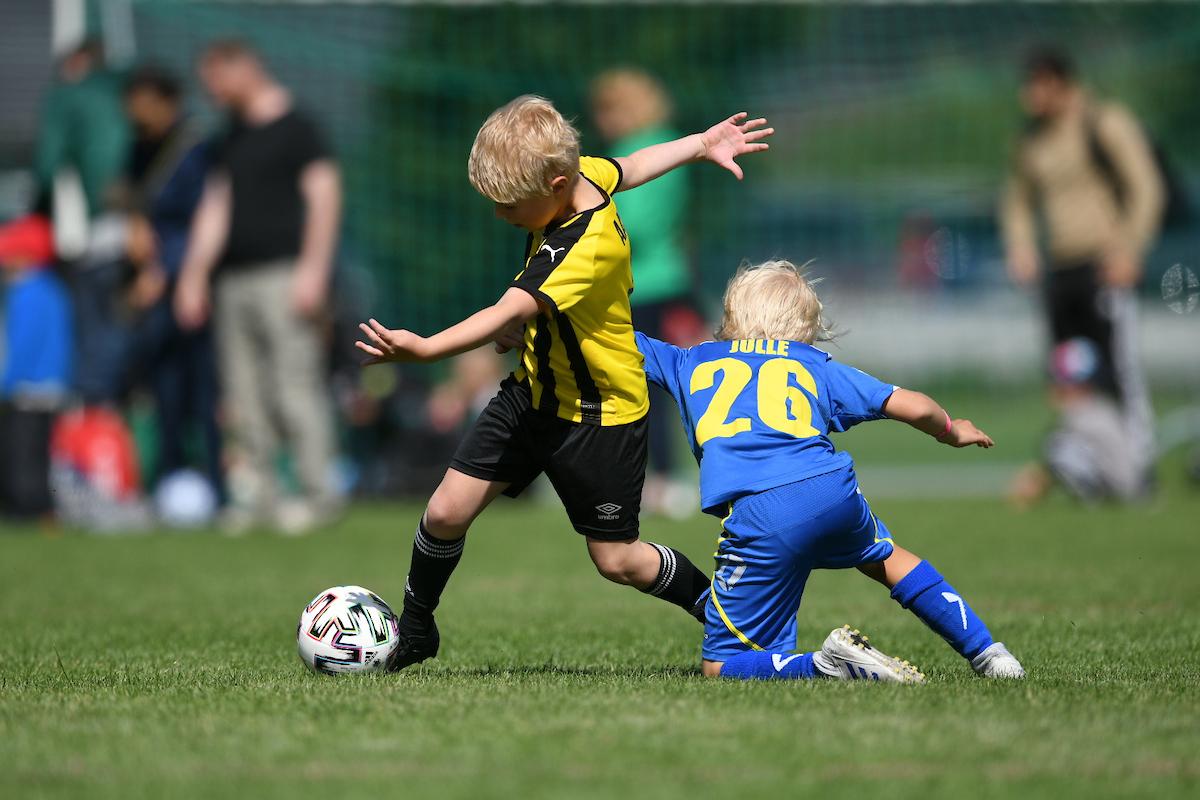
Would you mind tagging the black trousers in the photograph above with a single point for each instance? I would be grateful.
(1078, 304)
(25, 462)
(1079, 307)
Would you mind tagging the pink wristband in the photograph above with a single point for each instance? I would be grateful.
(949, 427)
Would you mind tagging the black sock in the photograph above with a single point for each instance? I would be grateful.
(433, 561)
(679, 581)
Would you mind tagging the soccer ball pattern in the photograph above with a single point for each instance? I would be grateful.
(347, 629)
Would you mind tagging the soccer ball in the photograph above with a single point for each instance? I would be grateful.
(347, 629)
(185, 499)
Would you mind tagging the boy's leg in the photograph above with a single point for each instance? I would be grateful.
(655, 569)
(770, 543)
(441, 533)
(750, 622)
(598, 473)
(846, 655)
(921, 589)
(756, 665)
(437, 549)
(494, 457)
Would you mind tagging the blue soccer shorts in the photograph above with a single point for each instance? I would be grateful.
(769, 544)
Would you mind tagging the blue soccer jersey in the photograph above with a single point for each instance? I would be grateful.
(759, 412)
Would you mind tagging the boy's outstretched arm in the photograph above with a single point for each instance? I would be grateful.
(383, 345)
(926, 415)
(720, 144)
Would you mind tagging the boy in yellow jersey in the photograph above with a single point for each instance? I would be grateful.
(576, 406)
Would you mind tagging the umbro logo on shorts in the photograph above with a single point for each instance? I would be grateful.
(608, 510)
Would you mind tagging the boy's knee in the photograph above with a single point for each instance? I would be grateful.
(614, 566)
(711, 669)
(874, 571)
(620, 562)
(444, 518)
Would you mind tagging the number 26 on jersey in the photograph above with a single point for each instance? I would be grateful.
(776, 397)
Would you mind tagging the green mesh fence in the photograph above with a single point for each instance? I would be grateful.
(885, 114)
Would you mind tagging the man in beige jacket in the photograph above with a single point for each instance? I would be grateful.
(1085, 170)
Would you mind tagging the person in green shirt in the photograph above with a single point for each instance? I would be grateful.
(631, 110)
(83, 129)
(83, 126)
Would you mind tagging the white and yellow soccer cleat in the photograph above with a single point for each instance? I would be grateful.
(997, 662)
(847, 655)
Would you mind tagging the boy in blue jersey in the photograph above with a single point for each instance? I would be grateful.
(759, 405)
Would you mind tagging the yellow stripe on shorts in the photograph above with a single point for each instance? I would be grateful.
(713, 589)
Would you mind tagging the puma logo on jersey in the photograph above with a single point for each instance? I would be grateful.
(553, 251)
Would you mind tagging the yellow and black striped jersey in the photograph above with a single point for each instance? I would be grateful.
(580, 357)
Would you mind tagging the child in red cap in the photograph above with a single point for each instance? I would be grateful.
(35, 363)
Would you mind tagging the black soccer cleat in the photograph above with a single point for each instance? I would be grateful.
(415, 646)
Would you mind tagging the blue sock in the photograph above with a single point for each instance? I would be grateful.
(925, 593)
(756, 665)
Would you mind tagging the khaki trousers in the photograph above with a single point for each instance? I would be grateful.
(272, 366)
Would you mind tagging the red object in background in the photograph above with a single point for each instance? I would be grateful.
(97, 444)
(919, 251)
(682, 326)
(29, 239)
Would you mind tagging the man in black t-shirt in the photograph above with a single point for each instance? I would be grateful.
(266, 229)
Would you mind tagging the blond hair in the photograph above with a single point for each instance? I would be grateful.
(773, 300)
(520, 148)
(638, 98)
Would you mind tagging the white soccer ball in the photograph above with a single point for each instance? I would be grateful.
(185, 499)
(347, 629)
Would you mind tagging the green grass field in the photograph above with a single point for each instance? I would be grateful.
(165, 666)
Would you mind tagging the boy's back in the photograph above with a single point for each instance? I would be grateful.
(760, 411)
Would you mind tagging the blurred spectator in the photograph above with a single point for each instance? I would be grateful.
(266, 225)
(82, 146)
(1090, 174)
(37, 369)
(166, 176)
(1087, 450)
(83, 128)
(631, 111)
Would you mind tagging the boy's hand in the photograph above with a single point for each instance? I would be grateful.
(384, 345)
(963, 433)
(727, 140)
(511, 338)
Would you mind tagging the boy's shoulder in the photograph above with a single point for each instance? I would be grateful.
(604, 172)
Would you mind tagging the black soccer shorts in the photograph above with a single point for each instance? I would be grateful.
(1079, 307)
(596, 470)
